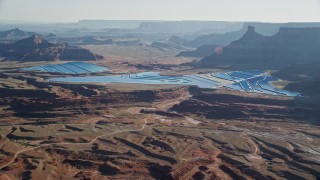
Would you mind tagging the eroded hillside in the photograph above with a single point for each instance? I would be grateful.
(164, 132)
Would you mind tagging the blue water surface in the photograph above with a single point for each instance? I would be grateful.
(251, 81)
(69, 68)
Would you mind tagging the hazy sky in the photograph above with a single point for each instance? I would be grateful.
(233, 10)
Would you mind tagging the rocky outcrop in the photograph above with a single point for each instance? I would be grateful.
(79, 54)
(35, 48)
(32, 42)
(253, 51)
(16, 34)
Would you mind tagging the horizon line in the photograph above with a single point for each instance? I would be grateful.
(12, 21)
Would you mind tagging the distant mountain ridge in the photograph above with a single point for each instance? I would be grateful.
(122, 24)
(225, 38)
(35, 48)
(189, 26)
(210, 39)
(16, 33)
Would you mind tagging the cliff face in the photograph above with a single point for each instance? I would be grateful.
(210, 39)
(253, 51)
(35, 48)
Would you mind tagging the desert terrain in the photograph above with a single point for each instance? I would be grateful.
(83, 131)
(61, 130)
